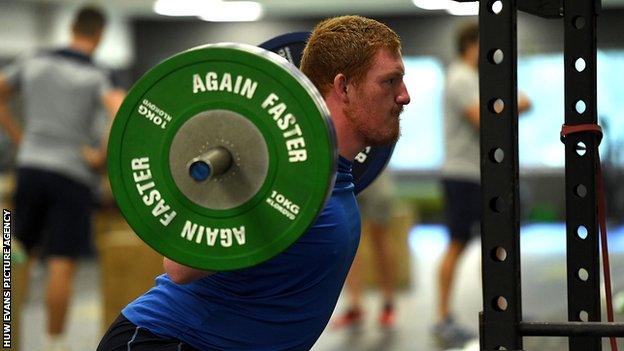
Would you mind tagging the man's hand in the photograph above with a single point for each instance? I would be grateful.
(12, 128)
(181, 274)
(524, 103)
(95, 158)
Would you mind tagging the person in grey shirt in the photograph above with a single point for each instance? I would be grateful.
(460, 172)
(63, 93)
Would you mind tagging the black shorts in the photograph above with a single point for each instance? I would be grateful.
(124, 335)
(53, 212)
(462, 208)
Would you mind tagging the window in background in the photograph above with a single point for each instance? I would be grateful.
(611, 105)
(540, 77)
(420, 147)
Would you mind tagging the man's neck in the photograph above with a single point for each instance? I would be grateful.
(348, 143)
(82, 45)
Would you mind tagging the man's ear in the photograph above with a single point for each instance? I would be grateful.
(340, 86)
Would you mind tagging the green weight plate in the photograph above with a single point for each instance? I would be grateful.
(277, 134)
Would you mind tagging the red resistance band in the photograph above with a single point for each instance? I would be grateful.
(594, 128)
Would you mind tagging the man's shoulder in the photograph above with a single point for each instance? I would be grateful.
(30, 55)
(58, 56)
(461, 70)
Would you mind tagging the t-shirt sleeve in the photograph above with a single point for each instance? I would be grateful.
(463, 90)
(104, 84)
(13, 71)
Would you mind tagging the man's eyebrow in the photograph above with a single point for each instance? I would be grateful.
(399, 68)
(396, 71)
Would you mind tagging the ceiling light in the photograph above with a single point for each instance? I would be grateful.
(211, 10)
(233, 11)
(182, 7)
(463, 8)
(432, 4)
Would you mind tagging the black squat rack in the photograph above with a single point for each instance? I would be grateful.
(501, 325)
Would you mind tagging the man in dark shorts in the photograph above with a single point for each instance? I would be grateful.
(285, 302)
(62, 92)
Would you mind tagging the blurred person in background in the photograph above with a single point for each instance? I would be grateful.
(375, 203)
(58, 166)
(461, 173)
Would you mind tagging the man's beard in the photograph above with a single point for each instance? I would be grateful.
(371, 135)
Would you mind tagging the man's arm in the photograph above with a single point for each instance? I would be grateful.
(181, 274)
(112, 101)
(524, 104)
(96, 157)
(472, 112)
(7, 121)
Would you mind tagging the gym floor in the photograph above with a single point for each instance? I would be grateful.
(543, 291)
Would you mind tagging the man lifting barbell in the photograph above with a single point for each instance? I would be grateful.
(283, 301)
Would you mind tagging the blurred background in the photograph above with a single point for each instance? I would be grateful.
(141, 33)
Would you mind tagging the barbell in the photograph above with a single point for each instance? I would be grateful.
(222, 156)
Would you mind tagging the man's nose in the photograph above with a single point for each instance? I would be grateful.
(403, 98)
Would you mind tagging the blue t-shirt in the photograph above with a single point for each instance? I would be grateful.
(281, 304)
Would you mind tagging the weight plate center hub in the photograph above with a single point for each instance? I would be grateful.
(245, 164)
